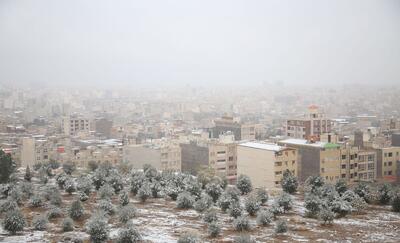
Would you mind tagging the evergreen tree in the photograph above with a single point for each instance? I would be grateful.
(7, 166)
(326, 215)
(396, 202)
(106, 191)
(67, 225)
(214, 190)
(185, 200)
(126, 213)
(281, 227)
(252, 205)
(144, 192)
(76, 210)
(84, 184)
(262, 195)
(384, 194)
(214, 229)
(362, 190)
(289, 182)
(244, 184)
(97, 228)
(14, 221)
(341, 186)
(124, 198)
(129, 234)
(284, 201)
(40, 222)
(235, 210)
(28, 174)
(241, 223)
(264, 217)
(210, 216)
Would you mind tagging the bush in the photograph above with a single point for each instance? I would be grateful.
(126, 213)
(252, 205)
(26, 189)
(144, 192)
(384, 194)
(326, 216)
(289, 182)
(358, 204)
(244, 239)
(314, 183)
(14, 221)
(8, 205)
(193, 187)
(396, 202)
(7, 166)
(97, 227)
(264, 218)
(214, 190)
(67, 225)
(40, 222)
(281, 227)
(362, 190)
(203, 203)
(107, 206)
(313, 204)
(349, 196)
(115, 180)
(76, 210)
(106, 191)
(185, 200)
(276, 209)
(241, 223)
(36, 201)
(284, 201)
(341, 186)
(129, 235)
(15, 194)
(235, 210)
(124, 198)
(244, 184)
(210, 216)
(83, 196)
(55, 198)
(69, 185)
(341, 207)
(54, 212)
(225, 201)
(156, 189)
(137, 180)
(28, 174)
(214, 229)
(262, 195)
(84, 184)
(61, 178)
(189, 237)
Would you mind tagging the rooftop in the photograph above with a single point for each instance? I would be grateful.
(265, 146)
(307, 143)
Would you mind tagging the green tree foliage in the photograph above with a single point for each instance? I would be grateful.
(289, 182)
(7, 166)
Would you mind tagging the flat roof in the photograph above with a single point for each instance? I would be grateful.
(307, 143)
(265, 146)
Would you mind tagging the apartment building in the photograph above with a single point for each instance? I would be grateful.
(388, 163)
(265, 163)
(316, 158)
(75, 125)
(310, 127)
(162, 157)
(241, 131)
(36, 149)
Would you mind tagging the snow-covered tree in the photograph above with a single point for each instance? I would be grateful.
(235, 210)
(225, 201)
(172, 190)
(137, 179)
(341, 186)
(340, 207)
(129, 234)
(124, 198)
(362, 190)
(84, 184)
(213, 229)
(289, 182)
(241, 223)
(193, 187)
(106, 191)
(233, 192)
(313, 204)
(285, 201)
(8, 205)
(61, 178)
(349, 196)
(244, 238)
(14, 221)
(210, 215)
(396, 201)
(107, 206)
(262, 195)
(16, 195)
(54, 212)
(126, 213)
(144, 192)
(314, 183)
(264, 217)
(7, 166)
(214, 190)
(244, 184)
(203, 203)
(189, 237)
(97, 227)
(276, 209)
(40, 222)
(83, 197)
(27, 189)
(185, 200)
(28, 174)
(156, 189)
(326, 216)
(150, 172)
(358, 204)
(99, 177)
(384, 194)
(252, 205)
(114, 178)
(76, 210)
(67, 225)
(69, 186)
(55, 198)
(69, 167)
(36, 201)
(281, 227)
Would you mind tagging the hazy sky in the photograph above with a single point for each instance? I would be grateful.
(205, 41)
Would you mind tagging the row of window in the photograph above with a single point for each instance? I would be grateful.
(279, 163)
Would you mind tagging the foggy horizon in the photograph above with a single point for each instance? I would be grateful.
(179, 43)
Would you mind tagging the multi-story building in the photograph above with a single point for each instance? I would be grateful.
(310, 127)
(316, 158)
(36, 149)
(241, 131)
(162, 157)
(74, 125)
(265, 163)
(388, 163)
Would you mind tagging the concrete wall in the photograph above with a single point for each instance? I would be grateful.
(194, 157)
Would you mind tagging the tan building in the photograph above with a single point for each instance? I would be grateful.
(74, 125)
(164, 157)
(388, 164)
(36, 149)
(265, 163)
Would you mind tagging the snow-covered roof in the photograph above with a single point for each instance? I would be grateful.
(318, 144)
(265, 146)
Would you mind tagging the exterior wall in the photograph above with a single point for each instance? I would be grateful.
(72, 126)
(28, 152)
(223, 159)
(390, 157)
(330, 164)
(265, 167)
(367, 165)
(138, 155)
(103, 126)
(194, 157)
(248, 132)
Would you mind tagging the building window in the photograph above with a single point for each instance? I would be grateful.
(278, 163)
(343, 166)
(278, 172)
(390, 163)
(384, 164)
(389, 172)
(230, 158)
(343, 156)
(390, 154)
(343, 175)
